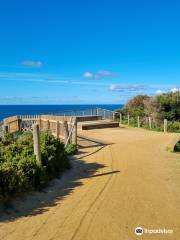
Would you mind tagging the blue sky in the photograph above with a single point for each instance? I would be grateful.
(98, 51)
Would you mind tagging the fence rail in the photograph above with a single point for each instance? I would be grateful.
(147, 122)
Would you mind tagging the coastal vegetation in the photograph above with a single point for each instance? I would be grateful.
(177, 147)
(159, 107)
(19, 170)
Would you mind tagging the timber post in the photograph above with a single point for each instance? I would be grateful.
(74, 132)
(40, 123)
(138, 122)
(146, 120)
(57, 129)
(104, 114)
(36, 141)
(120, 118)
(150, 122)
(128, 118)
(48, 125)
(114, 116)
(66, 132)
(5, 128)
(165, 125)
(19, 124)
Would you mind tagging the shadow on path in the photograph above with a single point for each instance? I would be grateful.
(39, 202)
(104, 174)
(84, 143)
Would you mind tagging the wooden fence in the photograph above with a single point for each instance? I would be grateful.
(147, 122)
(57, 125)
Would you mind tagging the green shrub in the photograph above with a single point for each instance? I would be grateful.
(8, 139)
(135, 106)
(71, 149)
(177, 147)
(174, 127)
(53, 154)
(22, 176)
(19, 170)
(159, 107)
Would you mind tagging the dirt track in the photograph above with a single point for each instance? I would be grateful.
(131, 181)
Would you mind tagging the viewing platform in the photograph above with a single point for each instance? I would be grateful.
(99, 124)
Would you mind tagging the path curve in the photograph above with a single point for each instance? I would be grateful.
(122, 178)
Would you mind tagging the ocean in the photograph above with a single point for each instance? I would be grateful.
(11, 110)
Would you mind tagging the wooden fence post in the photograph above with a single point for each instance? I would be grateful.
(128, 118)
(165, 125)
(104, 114)
(5, 128)
(48, 125)
(114, 116)
(150, 122)
(57, 129)
(36, 141)
(40, 124)
(146, 120)
(66, 132)
(19, 124)
(74, 132)
(138, 122)
(120, 118)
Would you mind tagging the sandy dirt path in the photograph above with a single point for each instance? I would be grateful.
(124, 180)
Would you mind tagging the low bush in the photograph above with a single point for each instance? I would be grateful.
(19, 170)
(177, 147)
(53, 154)
(159, 107)
(71, 149)
(174, 127)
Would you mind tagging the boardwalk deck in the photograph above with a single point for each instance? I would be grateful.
(99, 125)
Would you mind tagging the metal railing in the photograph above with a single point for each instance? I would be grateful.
(108, 114)
(82, 112)
(67, 113)
(125, 119)
(35, 117)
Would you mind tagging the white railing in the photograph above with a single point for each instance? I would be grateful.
(109, 114)
(30, 117)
